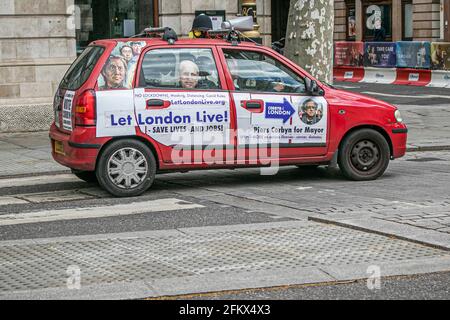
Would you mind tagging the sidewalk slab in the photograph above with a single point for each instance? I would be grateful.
(391, 229)
(185, 261)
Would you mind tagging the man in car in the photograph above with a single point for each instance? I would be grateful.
(114, 72)
(190, 77)
(189, 74)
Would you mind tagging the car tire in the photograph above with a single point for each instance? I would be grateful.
(364, 155)
(126, 168)
(87, 176)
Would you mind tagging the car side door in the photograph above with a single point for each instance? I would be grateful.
(182, 106)
(273, 105)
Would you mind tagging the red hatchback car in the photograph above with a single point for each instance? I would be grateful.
(128, 108)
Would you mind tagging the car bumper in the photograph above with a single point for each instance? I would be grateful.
(399, 137)
(73, 153)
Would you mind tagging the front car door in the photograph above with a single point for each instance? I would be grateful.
(273, 107)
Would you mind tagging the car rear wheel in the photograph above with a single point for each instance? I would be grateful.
(364, 155)
(88, 176)
(126, 168)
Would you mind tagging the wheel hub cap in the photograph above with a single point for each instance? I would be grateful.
(365, 155)
(127, 168)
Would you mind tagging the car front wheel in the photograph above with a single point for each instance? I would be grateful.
(364, 155)
(126, 168)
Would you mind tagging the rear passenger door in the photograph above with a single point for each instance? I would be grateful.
(181, 105)
(273, 106)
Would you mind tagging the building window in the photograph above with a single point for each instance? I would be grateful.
(103, 19)
(351, 23)
(407, 20)
(377, 15)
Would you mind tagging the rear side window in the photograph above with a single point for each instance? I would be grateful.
(82, 68)
(186, 69)
(119, 70)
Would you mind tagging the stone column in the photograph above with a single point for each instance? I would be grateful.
(397, 20)
(340, 20)
(359, 20)
(426, 20)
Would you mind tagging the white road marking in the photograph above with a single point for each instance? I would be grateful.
(7, 200)
(346, 87)
(51, 196)
(37, 180)
(133, 208)
(54, 196)
(429, 96)
(304, 188)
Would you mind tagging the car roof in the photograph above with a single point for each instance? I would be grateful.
(181, 41)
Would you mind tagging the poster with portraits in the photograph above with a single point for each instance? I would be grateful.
(413, 54)
(440, 56)
(380, 54)
(119, 70)
(349, 54)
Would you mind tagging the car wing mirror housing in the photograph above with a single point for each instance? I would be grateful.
(313, 88)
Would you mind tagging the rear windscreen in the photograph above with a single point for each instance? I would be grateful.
(82, 68)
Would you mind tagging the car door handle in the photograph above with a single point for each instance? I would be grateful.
(157, 104)
(253, 105)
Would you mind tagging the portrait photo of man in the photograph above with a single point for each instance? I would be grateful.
(114, 73)
(310, 113)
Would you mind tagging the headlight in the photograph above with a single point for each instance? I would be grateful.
(398, 116)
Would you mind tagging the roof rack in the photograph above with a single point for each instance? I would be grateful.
(232, 35)
(164, 33)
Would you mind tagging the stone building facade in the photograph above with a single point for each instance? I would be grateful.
(418, 20)
(37, 45)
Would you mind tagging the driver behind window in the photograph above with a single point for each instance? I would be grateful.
(189, 73)
(190, 77)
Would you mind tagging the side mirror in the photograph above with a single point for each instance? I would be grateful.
(313, 88)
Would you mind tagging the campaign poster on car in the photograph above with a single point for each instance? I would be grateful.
(413, 54)
(119, 70)
(187, 118)
(349, 54)
(380, 54)
(287, 120)
(193, 118)
(440, 56)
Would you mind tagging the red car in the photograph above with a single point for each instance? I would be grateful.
(129, 108)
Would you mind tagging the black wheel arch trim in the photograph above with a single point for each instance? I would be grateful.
(400, 130)
(84, 145)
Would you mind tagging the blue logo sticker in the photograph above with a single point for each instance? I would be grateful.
(277, 110)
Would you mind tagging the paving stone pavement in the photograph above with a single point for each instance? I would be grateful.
(195, 260)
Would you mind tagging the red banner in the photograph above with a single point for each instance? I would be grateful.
(349, 54)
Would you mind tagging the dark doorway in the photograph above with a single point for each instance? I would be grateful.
(104, 19)
(280, 14)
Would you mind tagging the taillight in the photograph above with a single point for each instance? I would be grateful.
(84, 110)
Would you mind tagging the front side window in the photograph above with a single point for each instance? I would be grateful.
(255, 71)
(187, 69)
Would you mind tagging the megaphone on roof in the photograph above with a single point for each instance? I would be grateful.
(239, 24)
